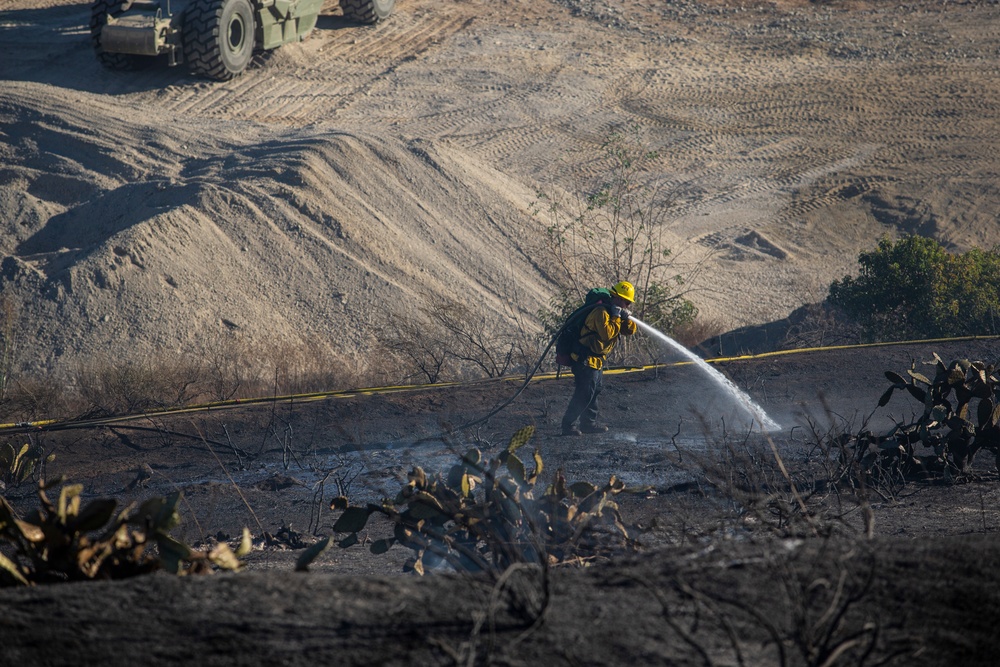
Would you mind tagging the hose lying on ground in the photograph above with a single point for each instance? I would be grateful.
(527, 380)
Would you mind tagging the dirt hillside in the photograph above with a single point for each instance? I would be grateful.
(349, 178)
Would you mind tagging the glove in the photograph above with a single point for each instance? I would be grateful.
(625, 314)
(614, 311)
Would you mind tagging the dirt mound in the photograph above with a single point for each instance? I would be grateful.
(350, 177)
(149, 248)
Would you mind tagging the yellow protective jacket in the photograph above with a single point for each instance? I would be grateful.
(599, 334)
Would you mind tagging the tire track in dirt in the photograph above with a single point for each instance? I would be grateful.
(832, 193)
(393, 41)
(483, 102)
(306, 82)
(901, 126)
(702, 130)
(723, 129)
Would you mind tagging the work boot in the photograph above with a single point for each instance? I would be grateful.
(571, 430)
(594, 428)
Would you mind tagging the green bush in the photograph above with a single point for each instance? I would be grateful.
(915, 288)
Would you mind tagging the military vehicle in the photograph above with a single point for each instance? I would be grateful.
(215, 38)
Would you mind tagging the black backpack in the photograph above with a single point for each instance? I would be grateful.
(568, 340)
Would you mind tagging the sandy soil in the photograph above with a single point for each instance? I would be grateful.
(345, 180)
(351, 177)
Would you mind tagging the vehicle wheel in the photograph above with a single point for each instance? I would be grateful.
(218, 37)
(99, 11)
(367, 11)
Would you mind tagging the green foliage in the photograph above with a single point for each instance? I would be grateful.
(69, 541)
(961, 417)
(914, 288)
(487, 515)
(615, 234)
(662, 309)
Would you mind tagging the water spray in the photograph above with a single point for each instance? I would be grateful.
(763, 420)
(740, 396)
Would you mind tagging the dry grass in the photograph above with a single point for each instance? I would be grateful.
(229, 369)
(233, 367)
(702, 328)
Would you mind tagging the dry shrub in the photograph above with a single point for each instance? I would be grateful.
(227, 373)
(230, 366)
(30, 399)
(9, 316)
(699, 330)
(303, 368)
(415, 347)
(616, 230)
(124, 386)
(450, 341)
(797, 491)
(818, 325)
(287, 368)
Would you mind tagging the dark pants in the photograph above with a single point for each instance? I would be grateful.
(587, 385)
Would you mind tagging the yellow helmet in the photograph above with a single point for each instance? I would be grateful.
(625, 290)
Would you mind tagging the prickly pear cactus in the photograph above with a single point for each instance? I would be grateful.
(19, 463)
(486, 515)
(961, 417)
(67, 540)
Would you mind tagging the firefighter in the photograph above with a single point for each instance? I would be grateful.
(598, 336)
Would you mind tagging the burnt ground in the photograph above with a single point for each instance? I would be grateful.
(728, 568)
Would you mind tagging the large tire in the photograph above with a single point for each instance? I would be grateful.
(99, 11)
(367, 11)
(218, 37)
